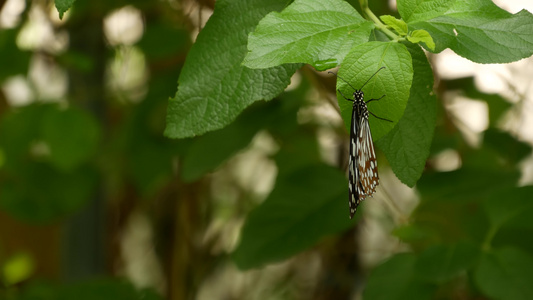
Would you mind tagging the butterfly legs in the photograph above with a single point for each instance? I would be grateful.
(374, 114)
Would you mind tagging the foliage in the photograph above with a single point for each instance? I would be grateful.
(104, 149)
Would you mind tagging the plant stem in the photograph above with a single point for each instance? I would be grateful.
(370, 15)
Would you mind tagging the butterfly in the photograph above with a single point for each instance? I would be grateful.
(362, 164)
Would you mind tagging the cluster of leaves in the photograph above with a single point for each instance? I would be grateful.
(259, 54)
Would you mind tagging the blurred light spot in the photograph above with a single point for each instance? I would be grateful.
(10, 14)
(18, 268)
(452, 66)
(124, 26)
(127, 74)
(471, 116)
(447, 160)
(38, 33)
(296, 79)
(140, 262)
(17, 91)
(49, 80)
(514, 6)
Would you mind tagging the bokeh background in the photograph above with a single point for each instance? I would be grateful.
(94, 203)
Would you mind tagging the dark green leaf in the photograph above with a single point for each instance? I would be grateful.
(307, 32)
(507, 146)
(513, 207)
(13, 61)
(286, 223)
(505, 274)
(213, 87)
(394, 81)
(395, 279)
(440, 263)
(466, 184)
(407, 145)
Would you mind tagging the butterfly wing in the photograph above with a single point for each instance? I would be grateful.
(353, 164)
(368, 167)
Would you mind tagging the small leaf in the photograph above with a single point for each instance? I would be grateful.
(214, 87)
(63, 5)
(399, 25)
(407, 145)
(307, 32)
(394, 82)
(481, 31)
(421, 35)
(505, 274)
(421, 10)
(286, 222)
(395, 279)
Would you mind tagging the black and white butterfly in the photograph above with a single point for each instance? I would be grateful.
(362, 164)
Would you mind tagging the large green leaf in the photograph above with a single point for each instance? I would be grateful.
(396, 279)
(421, 10)
(482, 32)
(394, 82)
(407, 145)
(505, 274)
(214, 87)
(304, 206)
(319, 33)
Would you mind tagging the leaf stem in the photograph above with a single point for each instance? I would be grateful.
(488, 238)
(370, 15)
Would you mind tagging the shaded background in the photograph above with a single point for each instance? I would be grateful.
(96, 203)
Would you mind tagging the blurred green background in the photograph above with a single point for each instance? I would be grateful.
(95, 203)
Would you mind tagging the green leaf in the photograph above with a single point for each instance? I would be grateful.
(307, 32)
(465, 184)
(421, 10)
(407, 145)
(213, 87)
(395, 279)
(512, 207)
(63, 5)
(482, 32)
(399, 25)
(441, 263)
(420, 35)
(71, 135)
(505, 274)
(394, 81)
(286, 223)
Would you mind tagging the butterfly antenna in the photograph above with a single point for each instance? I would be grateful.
(371, 77)
(343, 80)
